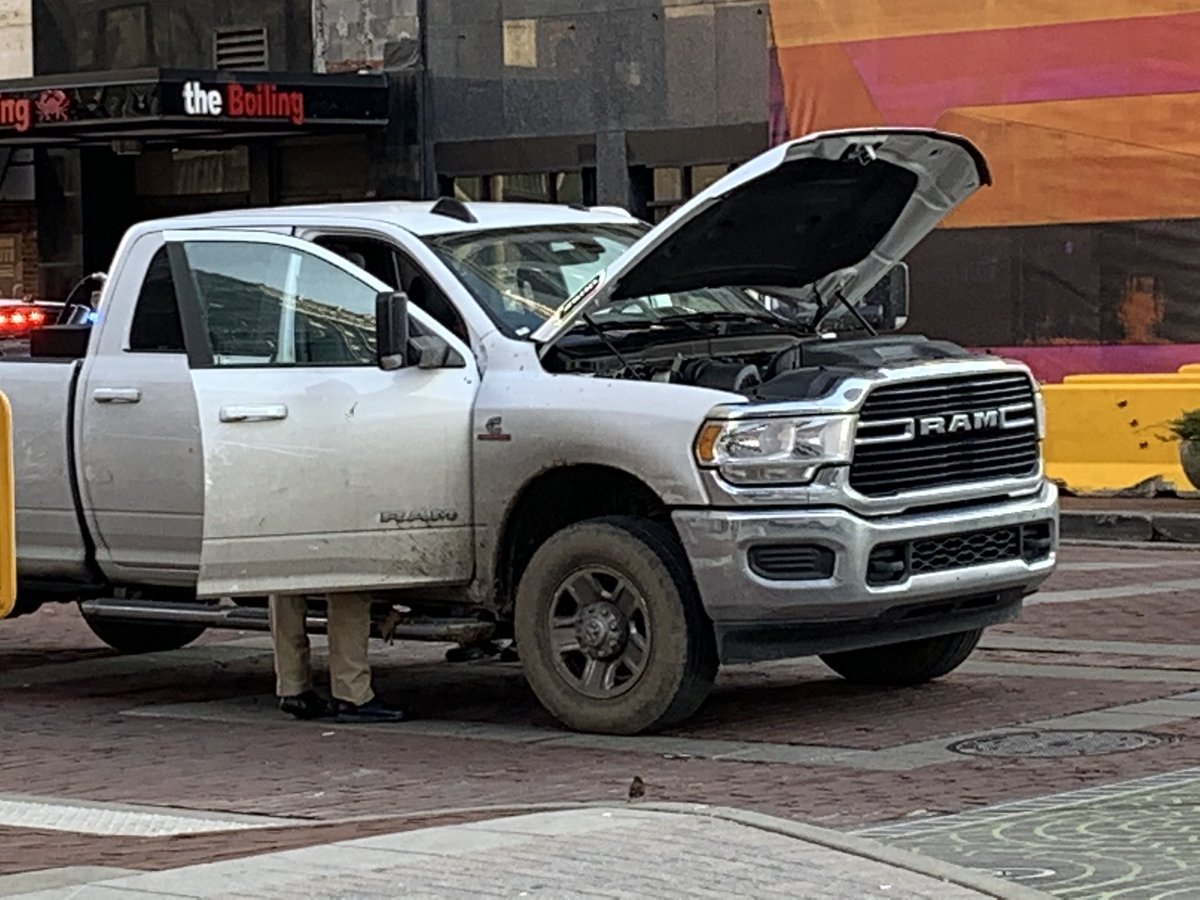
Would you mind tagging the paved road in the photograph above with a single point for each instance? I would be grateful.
(1108, 648)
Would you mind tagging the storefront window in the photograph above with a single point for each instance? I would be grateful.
(469, 188)
(675, 185)
(193, 172)
(323, 170)
(533, 188)
(703, 176)
(669, 192)
(668, 185)
(525, 187)
(569, 187)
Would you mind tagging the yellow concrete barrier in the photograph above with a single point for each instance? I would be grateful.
(8, 522)
(1136, 378)
(1107, 436)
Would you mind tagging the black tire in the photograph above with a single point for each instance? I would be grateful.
(679, 660)
(142, 637)
(913, 662)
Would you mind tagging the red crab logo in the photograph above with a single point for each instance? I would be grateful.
(52, 106)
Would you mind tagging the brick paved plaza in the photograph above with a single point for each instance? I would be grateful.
(1108, 649)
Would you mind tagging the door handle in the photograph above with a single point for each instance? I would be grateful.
(116, 395)
(267, 413)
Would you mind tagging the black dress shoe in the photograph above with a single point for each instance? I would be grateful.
(509, 654)
(309, 705)
(374, 710)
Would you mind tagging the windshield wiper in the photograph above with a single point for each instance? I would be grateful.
(625, 324)
(731, 316)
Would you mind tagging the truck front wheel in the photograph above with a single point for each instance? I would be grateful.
(913, 662)
(141, 637)
(612, 634)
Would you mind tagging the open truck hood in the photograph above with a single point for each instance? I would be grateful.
(835, 210)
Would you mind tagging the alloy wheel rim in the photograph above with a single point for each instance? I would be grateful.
(599, 632)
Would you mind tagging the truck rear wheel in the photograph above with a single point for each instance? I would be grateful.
(612, 634)
(142, 637)
(913, 662)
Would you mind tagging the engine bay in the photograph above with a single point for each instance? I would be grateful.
(766, 367)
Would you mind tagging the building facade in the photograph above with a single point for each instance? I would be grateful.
(638, 103)
(19, 273)
(138, 109)
(147, 109)
(1082, 254)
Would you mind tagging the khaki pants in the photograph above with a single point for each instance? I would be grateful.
(349, 630)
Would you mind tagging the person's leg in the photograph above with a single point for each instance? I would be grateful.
(349, 632)
(293, 658)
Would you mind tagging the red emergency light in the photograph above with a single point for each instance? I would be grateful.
(19, 319)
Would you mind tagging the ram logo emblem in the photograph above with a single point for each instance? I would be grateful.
(953, 423)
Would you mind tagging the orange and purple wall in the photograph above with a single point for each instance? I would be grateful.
(1084, 255)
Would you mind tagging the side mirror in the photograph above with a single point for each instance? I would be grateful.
(428, 351)
(391, 330)
(886, 304)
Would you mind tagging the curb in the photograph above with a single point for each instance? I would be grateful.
(1113, 526)
(842, 842)
(1156, 546)
(850, 844)
(865, 848)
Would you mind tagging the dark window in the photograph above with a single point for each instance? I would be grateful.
(576, 186)
(156, 326)
(424, 293)
(371, 256)
(398, 271)
(671, 187)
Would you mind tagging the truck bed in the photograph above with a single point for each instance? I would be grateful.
(50, 539)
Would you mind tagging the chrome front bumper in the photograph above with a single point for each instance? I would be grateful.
(739, 600)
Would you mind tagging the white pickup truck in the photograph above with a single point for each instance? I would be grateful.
(637, 452)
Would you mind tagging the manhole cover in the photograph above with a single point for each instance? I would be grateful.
(1055, 743)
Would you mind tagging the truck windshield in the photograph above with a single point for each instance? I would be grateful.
(521, 276)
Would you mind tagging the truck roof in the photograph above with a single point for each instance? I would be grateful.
(416, 216)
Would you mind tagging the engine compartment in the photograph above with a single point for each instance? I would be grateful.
(764, 367)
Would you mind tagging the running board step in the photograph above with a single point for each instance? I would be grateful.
(249, 618)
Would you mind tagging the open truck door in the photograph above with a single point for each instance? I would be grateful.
(326, 468)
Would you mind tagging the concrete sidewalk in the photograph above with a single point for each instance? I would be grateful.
(1131, 520)
(655, 850)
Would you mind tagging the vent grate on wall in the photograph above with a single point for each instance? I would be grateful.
(240, 48)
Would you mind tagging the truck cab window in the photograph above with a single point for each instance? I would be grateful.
(424, 293)
(397, 271)
(267, 305)
(156, 325)
(369, 255)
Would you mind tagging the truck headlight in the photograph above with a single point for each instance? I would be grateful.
(778, 451)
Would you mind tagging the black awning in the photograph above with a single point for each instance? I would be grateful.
(167, 105)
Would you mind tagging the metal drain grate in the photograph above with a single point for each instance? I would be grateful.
(1055, 743)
